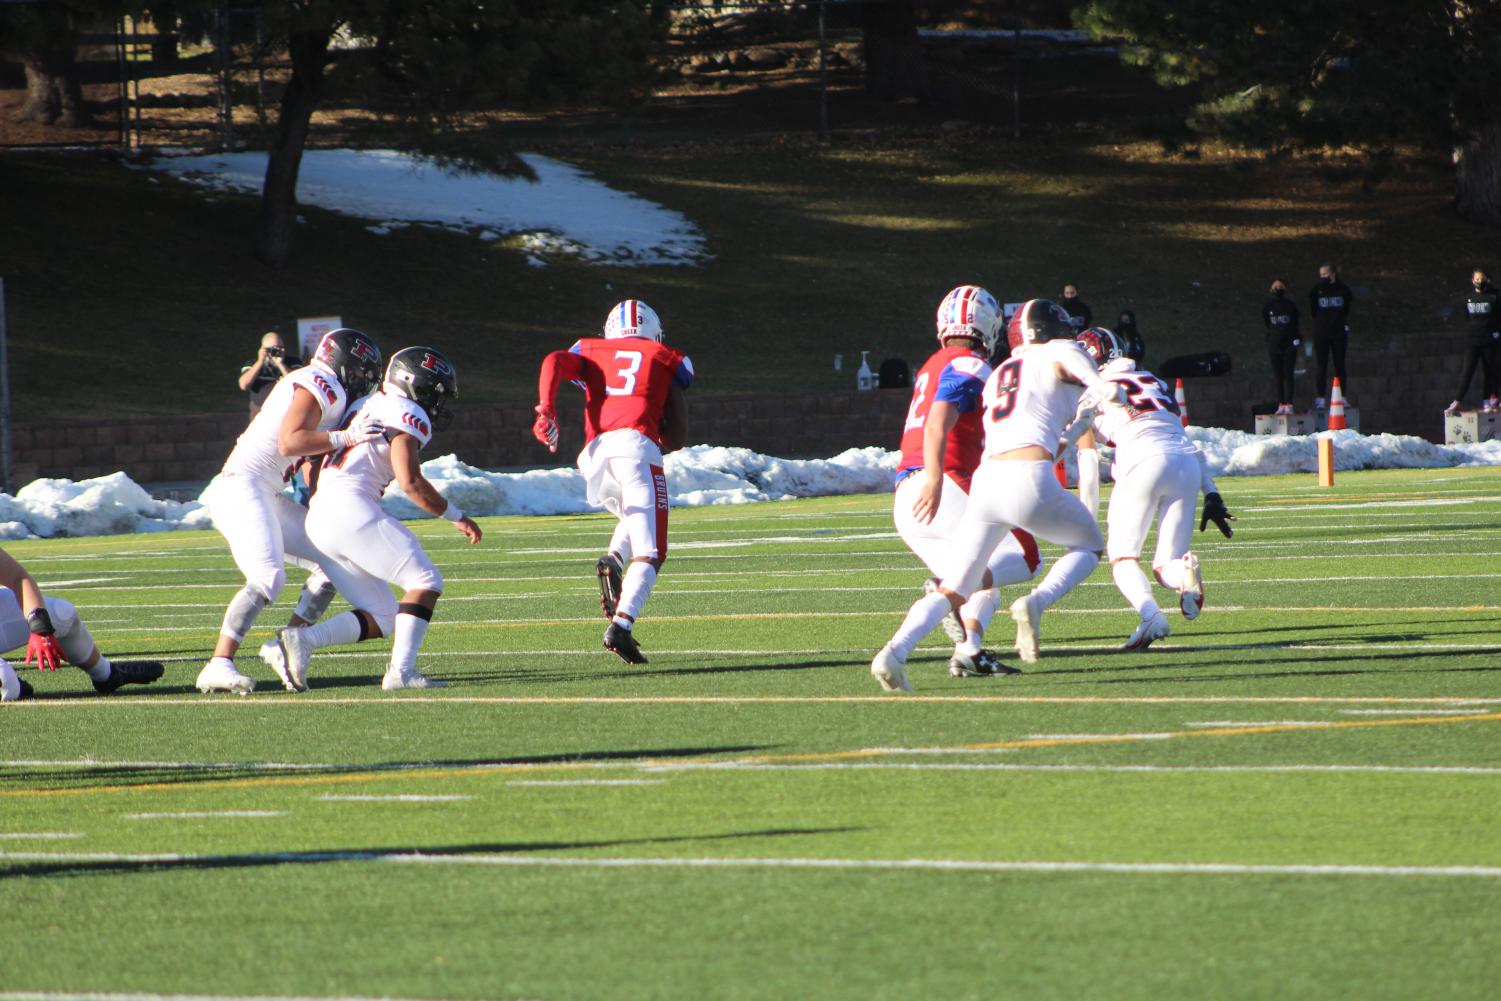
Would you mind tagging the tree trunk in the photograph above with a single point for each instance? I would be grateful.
(1477, 175)
(54, 95)
(308, 49)
(894, 66)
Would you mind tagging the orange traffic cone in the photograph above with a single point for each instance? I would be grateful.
(1337, 408)
(1182, 401)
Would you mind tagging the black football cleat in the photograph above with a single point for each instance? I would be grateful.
(619, 641)
(982, 665)
(129, 672)
(607, 569)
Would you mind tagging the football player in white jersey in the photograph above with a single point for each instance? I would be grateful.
(1159, 474)
(1028, 401)
(51, 631)
(371, 548)
(302, 416)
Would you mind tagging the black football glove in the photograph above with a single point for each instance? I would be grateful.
(1215, 511)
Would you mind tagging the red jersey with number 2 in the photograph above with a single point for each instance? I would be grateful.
(625, 382)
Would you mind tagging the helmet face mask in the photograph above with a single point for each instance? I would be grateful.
(427, 378)
(1037, 322)
(1100, 344)
(633, 318)
(970, 312)
(353, 357)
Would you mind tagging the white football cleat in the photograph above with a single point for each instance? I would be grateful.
(219, 675)
(1028, 619)
(1191, 594)
(396, 680)
(295, 651)
(1148, 632)
(953, 628)
(10, 682)
(890, 671)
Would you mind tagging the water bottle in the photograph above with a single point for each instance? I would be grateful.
(863, 378)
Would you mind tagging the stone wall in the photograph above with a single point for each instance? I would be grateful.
(1395, 391)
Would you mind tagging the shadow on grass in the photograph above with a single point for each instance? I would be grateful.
(395, 853)
(126, 775)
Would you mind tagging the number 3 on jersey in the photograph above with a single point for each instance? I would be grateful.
(629, 365)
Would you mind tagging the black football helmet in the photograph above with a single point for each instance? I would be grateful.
(353, 357)
(427, 378)
(1037, 322)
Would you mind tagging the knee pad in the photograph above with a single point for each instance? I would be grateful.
(268, 586)
(311, 604)
(241, 614)
(64, 616)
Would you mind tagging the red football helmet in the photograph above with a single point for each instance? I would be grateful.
(1037, 322)
(1100, 344)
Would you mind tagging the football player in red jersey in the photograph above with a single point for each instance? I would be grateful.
(940, 448)
(634, 410)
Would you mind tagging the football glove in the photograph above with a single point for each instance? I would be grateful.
(1098, 396)
(42, 643)
(1215, 511)
(545, 428)
(367, 427)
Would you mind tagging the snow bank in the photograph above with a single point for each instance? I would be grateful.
(563, 212)
(696, 476)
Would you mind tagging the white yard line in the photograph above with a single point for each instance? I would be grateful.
(586, 782)
(1099, 736)
(986, 766)
(407, 798)
(849, 864)
(1275, 722)
(39, 835)
(206, 815)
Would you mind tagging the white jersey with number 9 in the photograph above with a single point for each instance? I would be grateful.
(1027, 401)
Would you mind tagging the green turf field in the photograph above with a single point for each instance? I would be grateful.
(1296, 796)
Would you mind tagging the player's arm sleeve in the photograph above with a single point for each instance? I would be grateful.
(960, 389)
(556, 367)
(1089, 477)
(1206, 482)
(682, 376)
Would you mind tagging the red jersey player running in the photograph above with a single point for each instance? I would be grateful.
(941, 445)
(633, 410)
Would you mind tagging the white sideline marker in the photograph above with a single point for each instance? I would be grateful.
(206, 815)
(909, 864)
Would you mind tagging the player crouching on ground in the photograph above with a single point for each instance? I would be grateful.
(941, 446)
(52, 632)
(1159, 473)
(634, 409)
(373, 549)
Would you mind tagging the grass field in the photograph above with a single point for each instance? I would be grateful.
(1296, 796)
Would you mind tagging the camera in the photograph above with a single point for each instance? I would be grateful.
(276, 352)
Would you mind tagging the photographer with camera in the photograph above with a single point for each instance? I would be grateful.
(270, 364)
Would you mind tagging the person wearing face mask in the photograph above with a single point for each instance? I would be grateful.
(1483, 345)
(1329, 303)
(1132, 345)
(1280, 314)
(1080, 316)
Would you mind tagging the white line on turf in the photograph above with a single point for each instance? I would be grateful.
(856, 864)
(403, 798)
(1008, 767)
(936, 750)
(1412, 712)
(1099, 736)
(205, 815)
(1272, 722)
(39, 835)
(585, 782)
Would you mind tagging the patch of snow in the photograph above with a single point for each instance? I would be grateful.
(563, 212)
(697, 476)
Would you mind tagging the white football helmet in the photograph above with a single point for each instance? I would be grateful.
(633, 318)
(970, 311)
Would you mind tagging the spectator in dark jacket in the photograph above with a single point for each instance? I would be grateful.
(1130, 337)
(1483, 343)
(1080, 316)
(1280, 315)
(1329, 306)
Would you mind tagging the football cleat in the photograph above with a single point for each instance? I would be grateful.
(619, 641)
(1191, 594)
(295, 652)
(1028, 619)
(398, 679)
(890, 671)
(1148, 632)
(607, 568)
(12, 688)
(982, 665)
(219, 675)
(953, 626)
(129, 672)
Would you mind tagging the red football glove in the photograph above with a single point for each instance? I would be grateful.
(545, 428)
(42, 643)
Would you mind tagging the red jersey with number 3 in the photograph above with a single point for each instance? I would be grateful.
(956, 376)
(625, 382)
